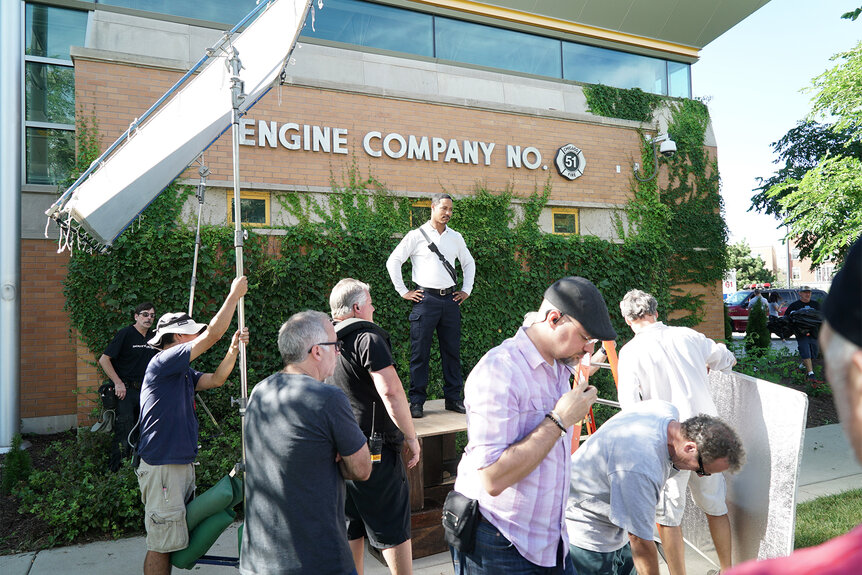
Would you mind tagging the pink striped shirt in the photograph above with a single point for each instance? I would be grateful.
(507, 396)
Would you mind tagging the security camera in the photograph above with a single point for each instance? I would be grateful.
(668, 148)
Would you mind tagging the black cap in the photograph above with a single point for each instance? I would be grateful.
(843, 306)
(579, 298)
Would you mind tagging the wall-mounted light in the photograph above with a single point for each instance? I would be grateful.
(667, 149)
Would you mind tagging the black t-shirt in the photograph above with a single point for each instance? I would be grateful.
(366, 349)
(130, 353)
(798, 304)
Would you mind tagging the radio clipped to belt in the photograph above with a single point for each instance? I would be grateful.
(375, 442)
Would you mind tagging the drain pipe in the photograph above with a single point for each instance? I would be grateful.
(11, 162)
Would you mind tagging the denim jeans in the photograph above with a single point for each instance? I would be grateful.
(619, 562)
(493, 554)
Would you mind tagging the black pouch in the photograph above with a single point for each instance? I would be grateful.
(460, 518)
(109, 398)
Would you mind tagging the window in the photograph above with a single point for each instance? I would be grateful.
(496, 47)
(224, 11)
(420, 212)
(49, 91)
(254, 208)
(413, 32)
(565, 221)
(796, 274)
(824, 273)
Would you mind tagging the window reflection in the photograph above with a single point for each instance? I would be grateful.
(496, 48)
(680, 79)
(50, 93)
(372, 25)
(224, 11)
(51, 30)
(594, 65)
(50, 155)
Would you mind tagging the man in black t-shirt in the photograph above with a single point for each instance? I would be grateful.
(806, 340)
(380, 506)
(125, 362)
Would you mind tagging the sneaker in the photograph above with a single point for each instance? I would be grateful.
(455, 405)
(416, 411)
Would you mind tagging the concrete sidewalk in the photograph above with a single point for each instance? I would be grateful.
(828, 467)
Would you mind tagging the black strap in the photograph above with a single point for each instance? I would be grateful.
(433, 247)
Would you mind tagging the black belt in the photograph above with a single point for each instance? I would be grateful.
(439, 292)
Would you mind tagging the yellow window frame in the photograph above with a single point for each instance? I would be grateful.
(566, 211)
(248, 195)
(419, 203)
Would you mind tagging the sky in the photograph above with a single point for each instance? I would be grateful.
(753, 75)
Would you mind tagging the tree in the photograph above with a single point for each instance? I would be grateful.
(823, 206)
(749, 269)
(757, 335)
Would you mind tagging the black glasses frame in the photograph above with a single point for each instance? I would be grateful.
(700, 470)
(339, 345)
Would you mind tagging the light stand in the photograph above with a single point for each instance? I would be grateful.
(667, 149)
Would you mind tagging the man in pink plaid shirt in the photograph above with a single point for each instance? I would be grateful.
(520, 412)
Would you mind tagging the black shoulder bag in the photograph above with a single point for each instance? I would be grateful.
(460, 518)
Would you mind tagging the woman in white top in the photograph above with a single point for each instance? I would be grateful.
(774, 305)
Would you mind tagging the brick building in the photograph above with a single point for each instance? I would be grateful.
(424, 95)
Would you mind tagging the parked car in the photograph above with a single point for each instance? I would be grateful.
(737, 304)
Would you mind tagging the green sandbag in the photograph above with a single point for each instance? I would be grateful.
(222, 495)
(239, 537)
(202, 538)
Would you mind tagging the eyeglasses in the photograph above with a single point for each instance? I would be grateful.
(700, 471)
(587, 340)
(338, 345)
(147, 314)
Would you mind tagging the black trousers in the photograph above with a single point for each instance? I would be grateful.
(443, 315)
(127, 416)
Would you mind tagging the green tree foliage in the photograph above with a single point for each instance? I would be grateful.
(749, 269)
(757, 335)
(821, 206)
(16, 467)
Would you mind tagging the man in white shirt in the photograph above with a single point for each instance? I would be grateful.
(671, 364)
(432, 250)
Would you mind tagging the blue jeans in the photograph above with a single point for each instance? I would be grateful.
(493, 554)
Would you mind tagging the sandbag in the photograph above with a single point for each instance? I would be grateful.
(202, 538)
(223, 495)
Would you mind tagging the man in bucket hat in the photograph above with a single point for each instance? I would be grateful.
(520, 410)
(169, 429)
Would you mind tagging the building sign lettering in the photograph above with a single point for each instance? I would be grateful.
(376, 144)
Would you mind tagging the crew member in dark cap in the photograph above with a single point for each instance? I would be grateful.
(520, 412)
(168, 426)
(841, 341)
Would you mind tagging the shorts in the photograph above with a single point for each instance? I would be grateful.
(379, 508)
(619, 562)
(709, 493)
(808, 348)
(165, 490)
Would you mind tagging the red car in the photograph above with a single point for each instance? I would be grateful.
(737, 304)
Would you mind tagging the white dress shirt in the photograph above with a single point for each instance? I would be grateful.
(428, 270)
(669, 363)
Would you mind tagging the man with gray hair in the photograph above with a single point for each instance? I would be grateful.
(841, 340)
(379, 506)
(302, 442)
(617, 477)
(432, 249)
(671, 364)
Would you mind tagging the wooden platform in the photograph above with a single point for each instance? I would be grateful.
(434, 475)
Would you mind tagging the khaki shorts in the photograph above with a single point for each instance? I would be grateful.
(165, 490)
(709, 493)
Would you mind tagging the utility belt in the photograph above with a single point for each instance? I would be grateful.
(133, 385)
(439, 292)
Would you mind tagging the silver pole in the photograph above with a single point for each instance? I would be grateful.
(11, 162)
(238, 97)
(204, 172)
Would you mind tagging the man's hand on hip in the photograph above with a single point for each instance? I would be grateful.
(575, 404)
(460, 296)
(414, 295)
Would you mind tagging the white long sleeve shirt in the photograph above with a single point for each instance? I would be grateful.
(670, 363)
(428, 270)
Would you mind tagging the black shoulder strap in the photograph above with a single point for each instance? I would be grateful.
(433, 247)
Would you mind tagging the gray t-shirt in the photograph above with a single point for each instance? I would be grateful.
(294, 522)
(617, 476)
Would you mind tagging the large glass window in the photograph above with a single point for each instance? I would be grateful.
(50, 93)
(679, 75)
(372, 25)
(224, 11)
(496, 48)
(49, 84)
(594, 65)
